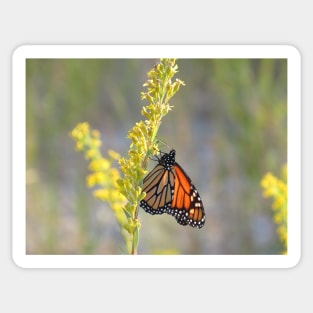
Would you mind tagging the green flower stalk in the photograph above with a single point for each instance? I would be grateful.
(278, 190)
(160, 89)
(123, 192)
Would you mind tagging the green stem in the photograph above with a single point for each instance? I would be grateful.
(133, 252)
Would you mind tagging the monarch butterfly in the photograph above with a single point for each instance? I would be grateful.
(170, 190)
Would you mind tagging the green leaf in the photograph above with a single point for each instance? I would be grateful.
(128, 215)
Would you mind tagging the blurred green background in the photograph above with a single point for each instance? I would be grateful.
(228, 126)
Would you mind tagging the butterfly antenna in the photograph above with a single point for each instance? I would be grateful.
(164, 143)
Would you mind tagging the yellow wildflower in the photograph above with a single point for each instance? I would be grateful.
(102, 194)
(95, 133)
(114, 155)
(99, 165)
(91, 153)
(278, 190)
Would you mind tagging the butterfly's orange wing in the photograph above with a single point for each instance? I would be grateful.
(186, 206)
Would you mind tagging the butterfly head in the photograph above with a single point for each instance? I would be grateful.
(168, 159)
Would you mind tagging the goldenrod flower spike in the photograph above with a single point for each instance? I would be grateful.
(278, 190)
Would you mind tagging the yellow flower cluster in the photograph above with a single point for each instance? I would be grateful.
(103, 175)
(278, 190)
(86, 140)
